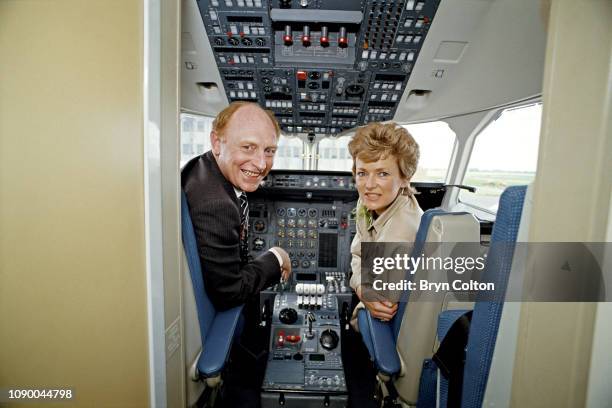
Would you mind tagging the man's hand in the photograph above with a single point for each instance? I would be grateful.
(382, 310)
(286, 268)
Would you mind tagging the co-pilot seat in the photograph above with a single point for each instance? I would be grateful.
(217, 330)
(399, 347)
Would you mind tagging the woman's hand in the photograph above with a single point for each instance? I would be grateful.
(382, 310)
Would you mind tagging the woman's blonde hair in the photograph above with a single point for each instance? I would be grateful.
(377, 141)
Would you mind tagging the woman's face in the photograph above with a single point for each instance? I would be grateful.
(378, 183)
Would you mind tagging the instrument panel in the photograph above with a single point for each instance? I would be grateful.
(322, 66)
(312, 233)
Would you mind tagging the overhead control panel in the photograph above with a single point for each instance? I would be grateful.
(322, 66)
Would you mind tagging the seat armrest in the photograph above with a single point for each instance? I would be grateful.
(382, 343)
(219, 342)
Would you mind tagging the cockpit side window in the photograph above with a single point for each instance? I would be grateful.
(436, 144)
(195, 135)
(505, 154)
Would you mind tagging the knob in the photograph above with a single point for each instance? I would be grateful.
(287, 37)
(329, 339)
(342, 38)
(304, 3)
(288, 316)
(324, 36)
(306, 36)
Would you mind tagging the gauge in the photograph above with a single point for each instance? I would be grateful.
(280, 212)
(258, 244)
(233, 41)
(247, 41)
(312, 213)
(291, 212)
(301, 212)
(259, 225)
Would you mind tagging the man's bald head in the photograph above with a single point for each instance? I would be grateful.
(223, 118)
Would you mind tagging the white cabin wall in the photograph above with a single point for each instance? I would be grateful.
(72, 244)
(571, 199)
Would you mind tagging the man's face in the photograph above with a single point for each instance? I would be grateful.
(245, 151)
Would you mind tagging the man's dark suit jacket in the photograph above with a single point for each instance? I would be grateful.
(215, 213)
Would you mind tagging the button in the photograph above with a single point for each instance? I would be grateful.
(301, 75)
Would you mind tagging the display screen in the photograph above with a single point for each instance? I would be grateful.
(305, 276)
(317, 357)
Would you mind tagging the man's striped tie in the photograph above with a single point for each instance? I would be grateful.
(244, 227)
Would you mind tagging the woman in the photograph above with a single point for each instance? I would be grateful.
(385, 158)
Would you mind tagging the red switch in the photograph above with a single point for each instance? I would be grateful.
(293, 338)
(306, 36)
(301, 75)
(287, 37)
(342, 38)
(281, 338)
(324, 36)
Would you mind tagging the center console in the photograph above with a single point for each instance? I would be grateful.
(310, 216)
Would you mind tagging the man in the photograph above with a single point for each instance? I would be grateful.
(244, 141)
